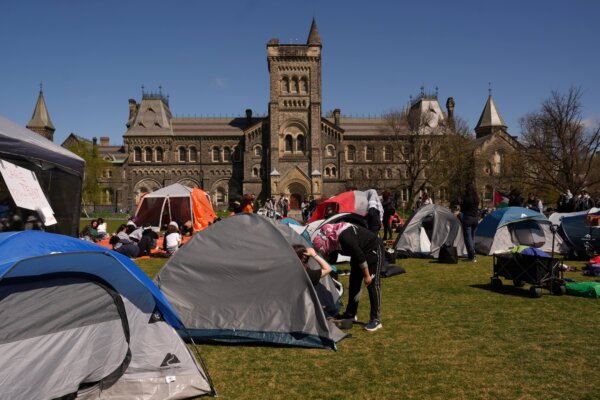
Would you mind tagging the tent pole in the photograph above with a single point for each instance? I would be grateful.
(162, 209)
(202, 364)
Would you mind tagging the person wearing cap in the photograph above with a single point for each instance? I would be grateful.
(366, 251)
(172, 239)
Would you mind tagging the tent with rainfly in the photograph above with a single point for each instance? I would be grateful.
(509, 227)
(428, 229)
(82, 321)
(574, 226)
(240, 281)
(353, 201)
(58, 171)
(177, 203)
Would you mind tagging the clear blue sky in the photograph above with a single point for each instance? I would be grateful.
(210, 56)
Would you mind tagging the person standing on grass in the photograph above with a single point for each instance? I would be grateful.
(374, 211)
(388, 213)
(366, 251)
(469, 203)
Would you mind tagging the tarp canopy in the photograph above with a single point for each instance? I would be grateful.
(82, 320)
(428, 229)
(573, 227)
(353, 201)
(508, 227)
(177, 203)
(59, 172)
(240, 281)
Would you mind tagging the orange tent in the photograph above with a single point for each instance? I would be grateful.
(175, 203)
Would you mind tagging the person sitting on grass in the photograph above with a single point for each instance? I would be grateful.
(101, 229)
(187, 229)
(366, 253)
(90, 232)
(315, 275)
(122, 244)
(172, 239)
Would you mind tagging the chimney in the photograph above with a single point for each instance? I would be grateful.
(104, 140)
(336, 116)
(248, 116)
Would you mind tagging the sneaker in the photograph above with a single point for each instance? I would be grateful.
(373, 325)
(343, 316)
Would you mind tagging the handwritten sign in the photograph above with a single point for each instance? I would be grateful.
(26, 191)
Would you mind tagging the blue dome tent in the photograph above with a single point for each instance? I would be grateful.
(509, 227)
(85, 320)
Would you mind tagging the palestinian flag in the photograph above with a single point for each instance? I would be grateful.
(500, 199)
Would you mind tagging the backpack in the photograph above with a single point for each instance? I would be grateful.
(448, 255)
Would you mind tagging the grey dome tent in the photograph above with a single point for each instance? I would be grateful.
(240, 281)
(58, 171)
(428, 229)
(80, 321)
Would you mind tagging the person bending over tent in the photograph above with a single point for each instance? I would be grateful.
(365, 250)
(315, 275)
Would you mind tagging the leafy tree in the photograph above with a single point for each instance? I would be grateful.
(94, 167)
(432, 153)
(561, 149)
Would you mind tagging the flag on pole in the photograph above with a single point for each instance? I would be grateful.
(500, 199)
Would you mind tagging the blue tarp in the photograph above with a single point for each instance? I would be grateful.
(30, 253)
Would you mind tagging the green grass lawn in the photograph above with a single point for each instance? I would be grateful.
(445, 335)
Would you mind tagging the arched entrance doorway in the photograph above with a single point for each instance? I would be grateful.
(298, 193)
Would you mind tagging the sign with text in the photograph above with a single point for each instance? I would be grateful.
(26, 191)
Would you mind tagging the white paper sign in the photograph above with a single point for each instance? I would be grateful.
(26, 191)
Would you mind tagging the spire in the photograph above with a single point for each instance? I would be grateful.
(490, 119)
(40, 120)
(313, 36)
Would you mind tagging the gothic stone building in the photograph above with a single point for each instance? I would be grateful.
(293, 150)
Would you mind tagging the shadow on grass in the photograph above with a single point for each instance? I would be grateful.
(507, 290)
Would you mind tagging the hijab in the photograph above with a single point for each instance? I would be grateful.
(327, 239)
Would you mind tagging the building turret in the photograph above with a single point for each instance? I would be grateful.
(40, 120)
(490, 120)
(313, 35)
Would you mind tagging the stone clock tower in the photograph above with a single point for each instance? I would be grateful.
(295, 148)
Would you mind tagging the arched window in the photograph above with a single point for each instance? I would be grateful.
(369, 153)
(193, 154)
(294, 85)
(258, 151)
(330, 150)
(137, 154)
(350, 153)
(333, 171)
(387, 153)
(159, 154)
(148, 154)
(303, 85)
(498, 161)
(255, 172)
(285, 84)
(181, 154)
(327, 171)
(350, 173)
(289, 143)
(226, 154)
(300, 144)
(388, 173)
(220, 196)
(216, 157)
(106, 196)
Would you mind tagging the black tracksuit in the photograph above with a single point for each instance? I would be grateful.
(362, 245)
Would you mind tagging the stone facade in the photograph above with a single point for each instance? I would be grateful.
(293, 150)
